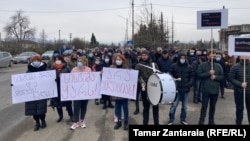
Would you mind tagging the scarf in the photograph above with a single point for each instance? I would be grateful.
(58, 67)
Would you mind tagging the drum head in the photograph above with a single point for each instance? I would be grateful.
(154, 89)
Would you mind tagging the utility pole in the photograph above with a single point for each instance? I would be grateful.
(59, 36)
(133, 22)
(172, 32)
(70, 36)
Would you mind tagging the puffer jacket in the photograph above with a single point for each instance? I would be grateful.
(185, 72)
(236, 76)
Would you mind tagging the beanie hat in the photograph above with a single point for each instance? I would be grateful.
(145, 52)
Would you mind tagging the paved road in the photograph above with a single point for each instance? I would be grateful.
(15, 126)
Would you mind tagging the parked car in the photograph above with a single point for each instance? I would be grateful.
(67, 52)
(24, 57)
(6, 59)
(47, 55)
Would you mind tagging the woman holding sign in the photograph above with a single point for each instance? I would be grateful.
(38, 108)
(239, 76)
(119, 61)
(80, 106)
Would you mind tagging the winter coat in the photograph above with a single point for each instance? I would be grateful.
(37, 107)
(207, 85)
(236, 77)
(185, 72)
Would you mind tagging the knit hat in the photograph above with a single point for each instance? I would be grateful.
(145, 52)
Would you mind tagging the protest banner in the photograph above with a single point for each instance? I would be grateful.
(80, 86)
(33, 86)
(119, 82)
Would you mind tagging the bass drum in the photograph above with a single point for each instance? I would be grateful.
(161, 88)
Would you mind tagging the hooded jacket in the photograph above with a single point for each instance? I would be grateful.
(183, 71)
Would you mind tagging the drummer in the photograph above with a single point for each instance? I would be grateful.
(184, 75)
(144, 73)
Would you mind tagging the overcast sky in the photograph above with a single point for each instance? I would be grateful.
(107, 18)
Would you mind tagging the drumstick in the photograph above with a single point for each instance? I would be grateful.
(177, 79)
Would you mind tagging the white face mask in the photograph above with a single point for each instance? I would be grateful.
(118, 62)
(58, 62)
(97, 62)
(182, 61)
(106, 60)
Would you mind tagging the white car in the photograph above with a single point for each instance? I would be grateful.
(24, 57)
(6, 59)
(47, 55)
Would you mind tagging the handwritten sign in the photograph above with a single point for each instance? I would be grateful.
(119, 82)
(33, 86)
(239, 45)
(80, 86)
(212, 19)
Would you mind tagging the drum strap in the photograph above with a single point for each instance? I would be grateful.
(148, 67)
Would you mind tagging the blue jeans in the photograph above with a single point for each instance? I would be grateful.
(119, 104)
(183, 97)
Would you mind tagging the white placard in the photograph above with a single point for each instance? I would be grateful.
(119, 82)
(239, 45)
(212, 19)
(80, 86)
(33, 86)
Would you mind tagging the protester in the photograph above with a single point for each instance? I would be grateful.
(185, 72)
(144, 73)
(80, 106)
(240, 83)
(38, 108)
(60, 65)
(210, 74)
(119, 61)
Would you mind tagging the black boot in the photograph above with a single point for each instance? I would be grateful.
(118, 125)
(60, 114)
(211, 122)
(37, 126)
(104, 105)
(125, 127)
(110, 105)
(43, 125)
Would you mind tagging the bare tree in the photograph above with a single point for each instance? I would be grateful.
(18, 27)
(43, 37)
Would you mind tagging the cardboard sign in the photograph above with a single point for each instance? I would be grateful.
(33, 86)
(80, 86)
(239, 45)
(119, 82)
(212, 19)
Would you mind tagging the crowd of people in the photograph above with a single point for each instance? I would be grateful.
(206, 72)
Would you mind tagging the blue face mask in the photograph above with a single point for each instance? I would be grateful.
(36, 64)
(79, 64)
(91, 55)
(106, 60)
(218, 58)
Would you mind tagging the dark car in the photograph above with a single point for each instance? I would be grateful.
(6, 59)
(24, 57)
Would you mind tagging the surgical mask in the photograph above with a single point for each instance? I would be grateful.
(118, 62)
(36, 64)
(58, 62)
(106, 60)
(91, 55)
(79, 64)
(97, 62)
(191, 53)
(218, 58)
(204, 53)
(110, 54)
(182, 61)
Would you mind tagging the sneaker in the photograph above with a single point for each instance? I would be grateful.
(74, 126)
(170, 123)
(82, 124)
(183, 122)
